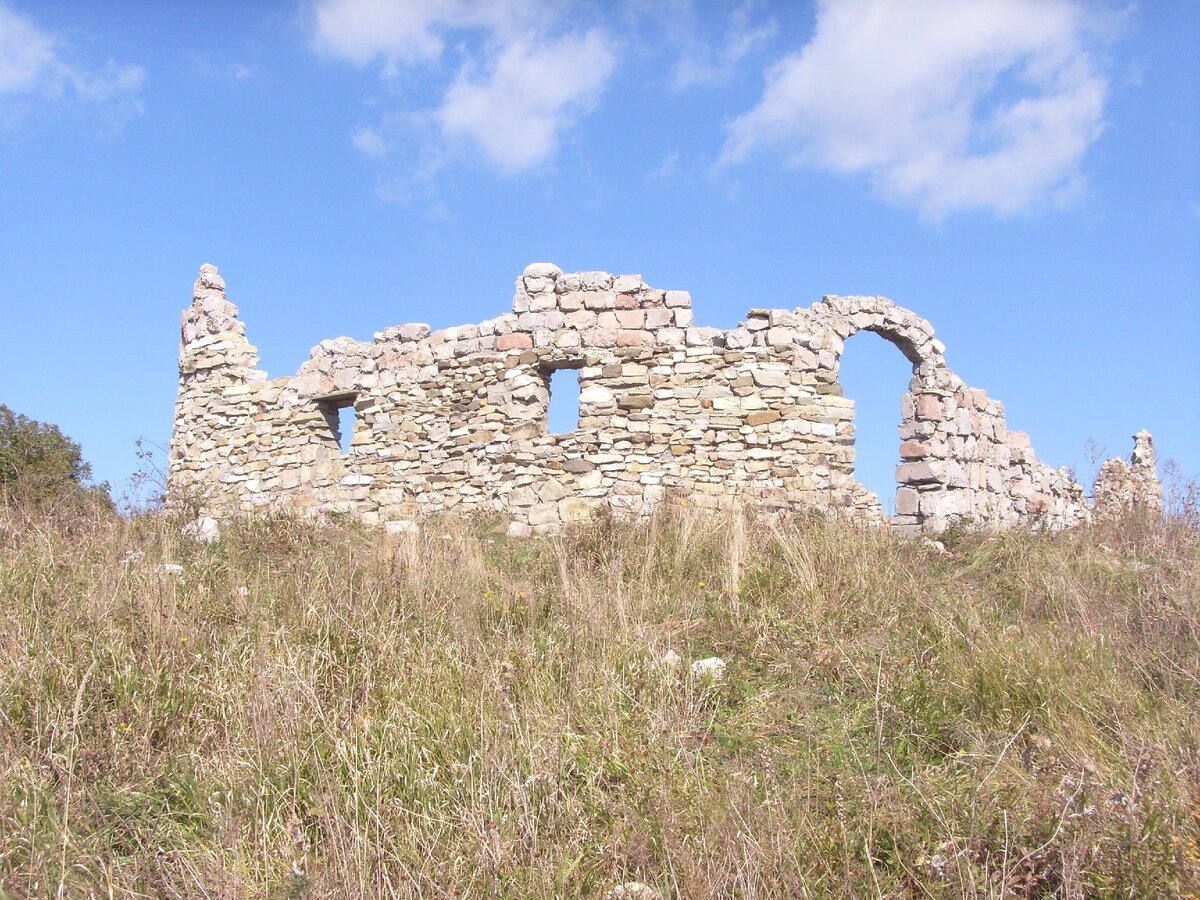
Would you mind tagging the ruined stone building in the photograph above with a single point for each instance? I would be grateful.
(456, 419)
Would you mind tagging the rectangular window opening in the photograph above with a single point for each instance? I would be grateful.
(341, 419)
(563, 384)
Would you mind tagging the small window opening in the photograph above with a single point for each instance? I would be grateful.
(340, 417)
(563, 384)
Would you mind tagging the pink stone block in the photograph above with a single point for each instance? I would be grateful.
(600, 337)
(631, 318)
(629, 338)
(516, 341)
(929, 407)
(581, 318)
(570, 301)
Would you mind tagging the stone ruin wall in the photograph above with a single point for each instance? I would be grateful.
(456, 419)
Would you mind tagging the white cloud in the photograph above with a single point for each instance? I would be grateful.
(409, 31)
(701, 62)
(704, 42)
(368, 141)
(523, 79)
(665, 170)
(947, 105)
(529, 95)
(235, 72)
(28, 56)
(36, 65)
(362, 30)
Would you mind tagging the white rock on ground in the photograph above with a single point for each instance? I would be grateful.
(632, 890)
(714, 666)
(204, 530)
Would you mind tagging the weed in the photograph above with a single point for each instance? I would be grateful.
(320, 711)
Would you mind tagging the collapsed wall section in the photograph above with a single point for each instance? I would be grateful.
(1122, 486)
(456, 419)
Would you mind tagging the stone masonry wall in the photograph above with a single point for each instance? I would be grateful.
(456, 419)
(1122, 486)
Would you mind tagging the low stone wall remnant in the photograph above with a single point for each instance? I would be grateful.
(456, 419)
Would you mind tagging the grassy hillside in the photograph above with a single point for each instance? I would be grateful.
(325, 712)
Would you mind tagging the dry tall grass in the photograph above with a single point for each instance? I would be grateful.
(323, 712)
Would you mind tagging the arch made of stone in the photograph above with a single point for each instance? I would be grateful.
(921, 470)
(909, 333)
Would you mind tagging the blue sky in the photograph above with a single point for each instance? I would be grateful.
(1026, 175)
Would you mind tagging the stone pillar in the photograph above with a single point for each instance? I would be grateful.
(1130, 487)
(212, 338)
(216, 363)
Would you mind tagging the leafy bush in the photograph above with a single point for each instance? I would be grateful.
(39, 465)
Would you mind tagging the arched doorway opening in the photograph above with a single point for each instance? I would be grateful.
(920, 477)
(876, 376)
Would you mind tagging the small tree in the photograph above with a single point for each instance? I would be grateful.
(41, 465)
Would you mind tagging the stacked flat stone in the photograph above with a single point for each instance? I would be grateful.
(456, 419)
(1122, 486)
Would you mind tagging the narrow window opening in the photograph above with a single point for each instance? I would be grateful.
(341, 419)
(563, 384)
(346, 421)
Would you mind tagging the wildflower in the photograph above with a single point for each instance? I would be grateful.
(936, 865)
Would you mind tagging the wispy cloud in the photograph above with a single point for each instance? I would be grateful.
(665, 170)
(222, 70)
(945, 105)
(404, 32)
(37, 68)
(704, 61)
(523, 75)
(364, 30)
(530, 94)
(368, 141)
(703, 43)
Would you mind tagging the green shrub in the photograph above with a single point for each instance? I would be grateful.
(41, 466)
